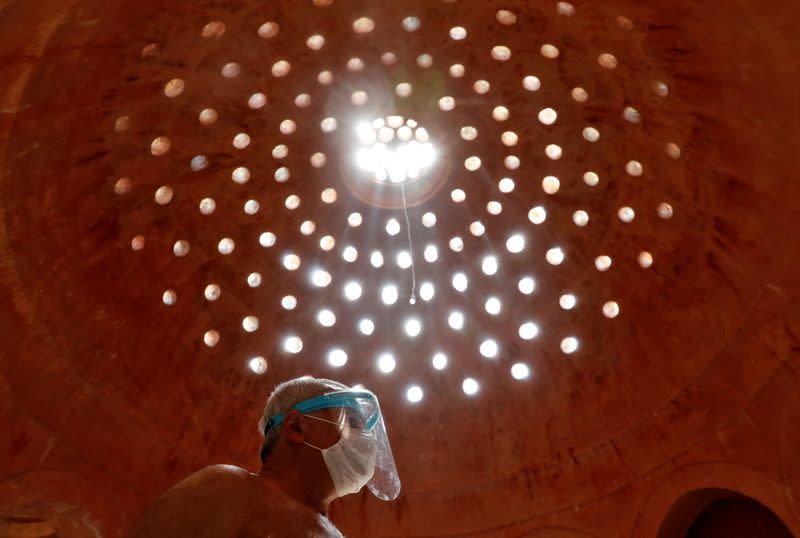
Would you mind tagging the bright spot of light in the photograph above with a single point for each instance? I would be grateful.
(431, 253)
(258, 365)
(427, 291)
(493, 306)
(413, 327)
(389, 294)
(337, 358)
(489, 349)
(470, 386)
(440, 361)
(326, 318)
(321, 278)
(527, 285)
(489, 265)
(567, 301)
(391, 153)
(392, 227)
(376, 259)
(555, 256)
(293, 345)
(414, 394)
(366, 326)
(404, 259)
(352, 291)
(528, 330)
(569, 345)
(456, 320)
(520, 371)
(515, 244)
(460, 282)
(386, 363)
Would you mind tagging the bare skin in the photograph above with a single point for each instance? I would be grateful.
(288, 498)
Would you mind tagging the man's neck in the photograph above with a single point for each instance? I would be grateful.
(290, 480)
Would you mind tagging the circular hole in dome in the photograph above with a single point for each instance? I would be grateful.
(489, 265)
(537, 215)
(169, 297)
(269, 30)
(625, 23)
(611, 309)
(516, 243)
(411, 24)
(280, 151)
(506, 17)
(607, 61)
(447, 103)
(634, 168)
(350, 254)
(231, 70)
(526, 285)
(213, 29)
(226, 246)
(308, 227)
(477, 228)
(257, 100)
(492, 306)
(386, 363)
(531, 83)
(366, 327)
(551, 184)
(337, 358)
(500, 113)
(303, 100)
(489, 349)
(567, 301)
(389, 294)
(329, 195)
(326, 318)
(458, 195)
(602, 263)
(404, 89)
(289, 302)
(456, 321)
(327, 243)
(456, 244)
(291, 262)
(267, 239)
(591, 179)
(258, 365)
(626, 214)
(198, 162)
(580, 95)
(511, 162)
(458, 33)
(293, 345)
(181, 248)
(287, 127)
(353, 291)
(163, 195)
(328, 125)
(160, 146)
(174, 87)
(645, 259)
(520, 371)
(494, 208)
(566, 9)
(207, 116)
(674, 151)
(282, 174)
(548, 116)
(254, 280)
(321, 278)
(457, 71)
(212, 292)
(439, 361)
(392, 227)
(472, 163)
(425, 61)
(318, 160)
(555, 256)
(292, 202)
(665, 211)
(470, 387)
(528, 330)
(431, 253)
(469, 133)
(506, 185)
(250, 324)
(631, 115)
(590, 134)
(580, 218)
(427, 291)
(412, 327)
(376, 259)
(241, 140)
(363, 25)
(137, 243)
(501, 53)
(553, 152)
(211, 338)
(429, 220)
(151, 50)
(550, 51)
(122, 124)
(509, 138)
(359, 98)
(325, 78)
(355, 220)
(240, 175)
(569, 345)
(460, 282)
(388, 58)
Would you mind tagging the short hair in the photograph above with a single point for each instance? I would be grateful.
(284, 396)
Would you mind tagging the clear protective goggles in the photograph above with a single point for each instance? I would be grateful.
(360, 412)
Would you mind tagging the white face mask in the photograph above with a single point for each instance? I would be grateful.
(351, 461)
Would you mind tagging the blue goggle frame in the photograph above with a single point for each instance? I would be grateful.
(326, 401)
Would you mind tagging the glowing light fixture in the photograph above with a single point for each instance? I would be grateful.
(393, 150)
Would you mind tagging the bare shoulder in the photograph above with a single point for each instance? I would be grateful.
(203, 504)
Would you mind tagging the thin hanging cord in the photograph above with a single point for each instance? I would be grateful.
(413, 298)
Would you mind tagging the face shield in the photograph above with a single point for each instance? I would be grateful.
(360, 415)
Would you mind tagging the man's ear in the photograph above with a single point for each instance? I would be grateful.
(291, 427)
